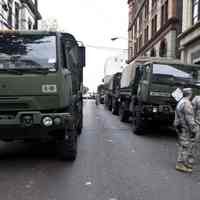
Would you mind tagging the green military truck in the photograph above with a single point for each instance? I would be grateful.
(100, 92)
(41, 76)
(112, 93)
(149, 87)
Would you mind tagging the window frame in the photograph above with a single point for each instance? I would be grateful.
(196, 18)
(10, 14)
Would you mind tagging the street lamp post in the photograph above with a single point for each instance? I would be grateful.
(121, 38)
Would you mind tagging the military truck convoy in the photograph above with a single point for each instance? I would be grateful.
(112, 93)
(100, 92)
(148, 89)
(41, 76)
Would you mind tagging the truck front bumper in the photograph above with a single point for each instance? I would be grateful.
(161, 114)
(33, 125)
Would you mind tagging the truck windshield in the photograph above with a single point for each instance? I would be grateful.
(27, 52)
(174, 73)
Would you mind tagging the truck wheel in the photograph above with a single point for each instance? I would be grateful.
(138, 125)
(79, 128)
(124, 117)
(67, 148)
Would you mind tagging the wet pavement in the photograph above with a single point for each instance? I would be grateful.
(112, 164)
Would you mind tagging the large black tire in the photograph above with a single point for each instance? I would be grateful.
(67, 148)
(124, 116)
(138, 124)
(80, 126)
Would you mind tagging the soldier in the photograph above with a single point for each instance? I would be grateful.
(196, 107)
(97, 99)
(186, 128)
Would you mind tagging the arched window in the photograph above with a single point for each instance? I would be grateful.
(163, 49)
(10, 13)
(153, 52)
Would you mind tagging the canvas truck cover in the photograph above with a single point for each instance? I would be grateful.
(108, 82)
(128, 73)
(107, 79)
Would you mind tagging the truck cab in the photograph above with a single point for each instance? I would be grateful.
(41, 76)
(147, 90)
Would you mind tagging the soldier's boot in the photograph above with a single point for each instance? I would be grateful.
(183, 168)
(189, 165)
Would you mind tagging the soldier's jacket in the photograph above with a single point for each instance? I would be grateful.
(184, 116)
(196, 107)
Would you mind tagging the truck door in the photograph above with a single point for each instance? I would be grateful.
(143, 88)
(66, 74)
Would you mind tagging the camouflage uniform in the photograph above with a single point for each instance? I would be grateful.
(186, 128)
(97, 99)
(196, 107)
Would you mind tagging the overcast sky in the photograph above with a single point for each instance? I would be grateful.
(94, 22)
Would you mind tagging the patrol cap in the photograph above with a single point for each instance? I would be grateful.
(187, 91)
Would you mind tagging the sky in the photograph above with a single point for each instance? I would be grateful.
(94, 22)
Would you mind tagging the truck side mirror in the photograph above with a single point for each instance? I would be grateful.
(81, 56)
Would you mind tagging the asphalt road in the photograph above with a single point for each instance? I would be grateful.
(112, 164)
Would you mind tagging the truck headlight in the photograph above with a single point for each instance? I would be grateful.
(155, 110)
(47, 121)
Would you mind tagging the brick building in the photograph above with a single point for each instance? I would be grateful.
(190, 38)
(19, 14)
(153, 28)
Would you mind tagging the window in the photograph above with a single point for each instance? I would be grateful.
(140, 23)
(140, 42)
(154, 25)
(135, 48)
(163, 48)
(28, 51)
(16, 15)
(153, 52)
(146, 34)
(146, 9)
(29, 24)
(135, 30)
(195, 11)
(10, 2)
(155, 28)
(164, 13)
(154, 2)
(130, 51)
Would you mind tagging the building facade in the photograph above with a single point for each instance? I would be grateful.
(19, 14)
(190, 37)
(153, 28)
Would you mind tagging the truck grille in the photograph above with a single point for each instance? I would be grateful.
(10, 106)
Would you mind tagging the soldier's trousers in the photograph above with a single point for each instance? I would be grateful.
(186, 148)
